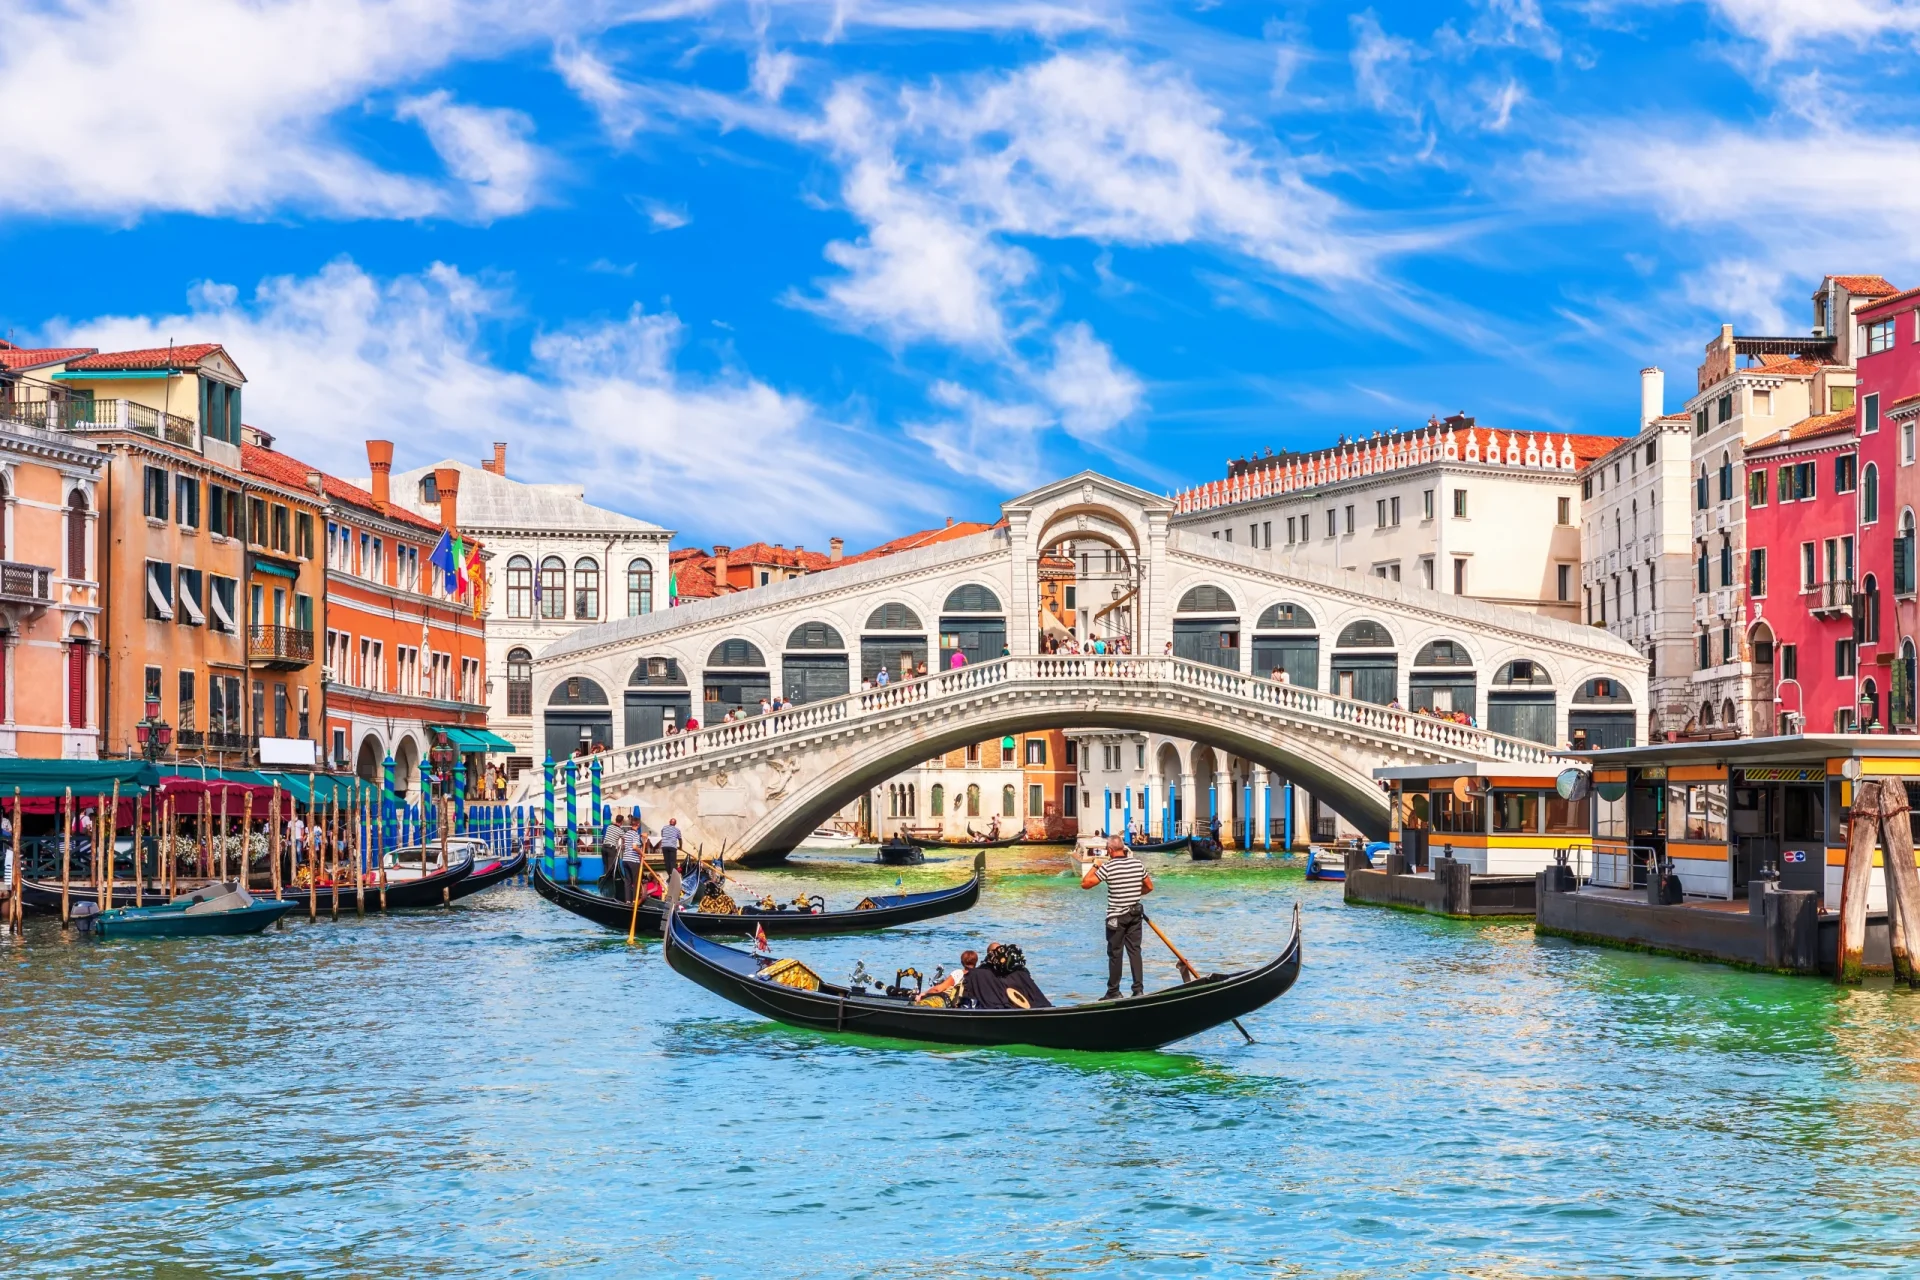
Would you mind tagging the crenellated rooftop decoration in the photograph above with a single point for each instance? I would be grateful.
(1457, 439)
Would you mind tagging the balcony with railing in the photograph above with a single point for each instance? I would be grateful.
(286, 647)
(1829, 599)
(55, 409)
(28, 584)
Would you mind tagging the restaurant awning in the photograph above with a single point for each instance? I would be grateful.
(482, 740)
(85, 777)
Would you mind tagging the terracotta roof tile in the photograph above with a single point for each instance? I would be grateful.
(183, 356)
(1905, 295)
(1784, 366)
(270, 464)
(783, 557)
(1814, 428)
(1865, 286)
(12, 357)
(924, 538)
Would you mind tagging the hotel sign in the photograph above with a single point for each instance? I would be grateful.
(1812, 773)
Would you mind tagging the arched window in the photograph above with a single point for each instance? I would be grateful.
(736, 653)
(519, 682)
(586, 589)
(1442, 653)
(1726, 476)
(1286, 617)
(815, 635)
(1007, 802)
(1870, 494)
(973, 795)
(1870, 610)
(1706, 715)
(1700, 488)
(1900, 708)
(1206, 599)
(5, 493)
(519, 587)
(971, 598)
(77, 535)
(552, 588)
(1603, 691)
(1524, 672)
(937, 802)
(1728, 716)
(639, 588)
(1365, 634)
(893, 617)
(657, 671)
(1903, 574)
(577, 691)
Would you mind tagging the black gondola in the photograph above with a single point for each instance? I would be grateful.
(887, 911)
(489, 871)
(929, 842)
(1203, 849)
(1142, 1022)
(402, 895)
(1165, 846)
(899, 853)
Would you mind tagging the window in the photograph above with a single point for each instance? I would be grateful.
(306, 712)
(1565, 514)
(1700, 422)
(154, 498)
(1726, 477)
(259, 708)
(1006, 802)
(1724, 408)
(551, 591)
(257, 521)
(1845, 477)
(1763, 404)
(1333, 527)
(303, 535)
(1726, 561)
(1563, 578)
(1809, 567)
(429, 489)
(1036, 750)
(1700, 583)
(1700, 489)
(586, 589)
(406, 566)
(1586, 487)
(184, 714)
(1460, 504)
(221, 601)
(1906, 442)
(1789, 658)
(1426, 572)
(1459, 575)
(519, 587)
(1036, 801)
(1757, 488)
(339, 548)
(1839, 399)
(191, 612)
(152, 690)
(186, 501)
(1870, 413)
(1879, 337)
(373, 665)
(280, 709)
(1380, 514)
(639, 588)
(1704, 658)
(1843, 658)
(1266, 528)
(374, 558)
(1757, 572)
(1349, 517)
(1870, 495)
(159, 601)
(1426, 504)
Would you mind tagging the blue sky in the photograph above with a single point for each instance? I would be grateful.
(786, 271)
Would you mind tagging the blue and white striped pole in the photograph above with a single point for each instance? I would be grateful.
(1126, 813)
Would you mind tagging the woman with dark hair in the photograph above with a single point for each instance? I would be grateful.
(1002, 981)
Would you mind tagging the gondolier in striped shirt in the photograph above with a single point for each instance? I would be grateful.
(1127, 880)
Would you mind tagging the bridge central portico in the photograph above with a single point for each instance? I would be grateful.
(1205, 622)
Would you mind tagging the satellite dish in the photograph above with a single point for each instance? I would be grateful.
(1850, 769)
(1573, 784)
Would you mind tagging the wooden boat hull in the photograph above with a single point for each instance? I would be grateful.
(895, 855)
(894, 909)
(1203, 850)
(1143, 1022)
(488, 873)
(402, 895)
(925, 842)
(1321, 867)
(174, 922)
(1165, 846)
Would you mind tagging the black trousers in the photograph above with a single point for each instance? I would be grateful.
(1124, 932)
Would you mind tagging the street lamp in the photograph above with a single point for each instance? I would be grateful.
(154, 734)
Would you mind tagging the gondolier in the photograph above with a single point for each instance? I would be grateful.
(670, 837)
(1127, 881)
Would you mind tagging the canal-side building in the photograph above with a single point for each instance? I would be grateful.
(559, 564)
(1453, 507)
(1021, 785)
(1888, 364)
(403, 658)
(1747, 389)
(1805, 503)
(1635, 562)
(49, 591)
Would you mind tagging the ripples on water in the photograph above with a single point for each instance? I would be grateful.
(504, 1089)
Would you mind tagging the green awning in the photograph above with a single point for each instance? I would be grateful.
(480, 740)
(86, 777)
(277, 570)
(325, 787)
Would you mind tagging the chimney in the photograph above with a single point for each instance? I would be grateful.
(316, 482)
(498, 466)
(836, 547)
(1653, 396)
(447, 481)
(720, 583)
(949, 522)
(380, 462)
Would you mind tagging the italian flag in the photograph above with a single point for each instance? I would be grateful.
(673, 590)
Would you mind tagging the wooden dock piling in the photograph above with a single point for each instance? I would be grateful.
(66, 859)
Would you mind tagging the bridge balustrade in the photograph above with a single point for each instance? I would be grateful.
(1089, 671)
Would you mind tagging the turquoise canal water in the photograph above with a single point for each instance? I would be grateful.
(502, 1089)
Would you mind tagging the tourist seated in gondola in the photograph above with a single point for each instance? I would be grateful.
(954, 985)
(1002, 982)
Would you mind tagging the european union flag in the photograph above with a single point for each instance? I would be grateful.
(442, 559)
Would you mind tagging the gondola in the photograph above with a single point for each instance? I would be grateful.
(887, 911)
(930, 842)
(1203, 849)
(488, 871)
(899, 853)
(402, 894)
(1165, 846)
(1143, 1022)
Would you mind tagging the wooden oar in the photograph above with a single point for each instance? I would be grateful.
(1187, 972)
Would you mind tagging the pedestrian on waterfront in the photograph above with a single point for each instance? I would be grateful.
(880, 678)
(1127, 880)
(765, 706)
(958, 660)
(670, 838)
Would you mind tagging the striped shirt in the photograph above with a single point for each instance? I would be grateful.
(1124, 876)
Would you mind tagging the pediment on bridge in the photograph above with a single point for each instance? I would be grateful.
(1088, 488)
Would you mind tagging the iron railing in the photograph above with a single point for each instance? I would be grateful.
(280, 644)
(26, 583)
(1829, 597)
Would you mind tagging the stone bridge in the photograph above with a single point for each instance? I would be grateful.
(1205, 621)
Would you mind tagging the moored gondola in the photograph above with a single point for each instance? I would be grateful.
(406, 889)
(1203, 849)
(488, 870)
(899, 853)
(1165, 846)
(885, 912)
(928, 842)
(1141, 1022)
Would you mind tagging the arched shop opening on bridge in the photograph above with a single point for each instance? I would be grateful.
(736, 679)
(972, 624)
(814, 666)
(1366, 666)
(657, 699)
(578, 715)
(1286, 640)
(894, 642)
(1206, 628)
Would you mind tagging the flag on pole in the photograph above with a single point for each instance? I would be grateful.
(459, 565)
(673, 590)
(442, 558)
(760, 939)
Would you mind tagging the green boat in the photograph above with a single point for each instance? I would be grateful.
(215, 912)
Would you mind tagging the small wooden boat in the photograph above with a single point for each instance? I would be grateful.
(828, 838)
(1203, 849)
(900, 853)
(217, 912)
(489, 869)
(1326, 864)
(1142, 1022)
(886, 912)
(938, 842)
(1165, 846)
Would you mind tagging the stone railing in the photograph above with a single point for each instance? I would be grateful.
(1071, 675)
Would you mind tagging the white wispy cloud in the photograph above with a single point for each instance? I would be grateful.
(227, 107)
(341, 354)
(1785, 26)
(486, 148)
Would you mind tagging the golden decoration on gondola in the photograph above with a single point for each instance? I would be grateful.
(791, 973)
(715, 903)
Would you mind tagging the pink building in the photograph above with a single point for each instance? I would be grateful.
(1889, 366)
(1803, 494)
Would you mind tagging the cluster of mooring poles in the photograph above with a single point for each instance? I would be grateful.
(1880, 818)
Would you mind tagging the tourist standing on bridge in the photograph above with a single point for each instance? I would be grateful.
(958, 660)
(1127, 880)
